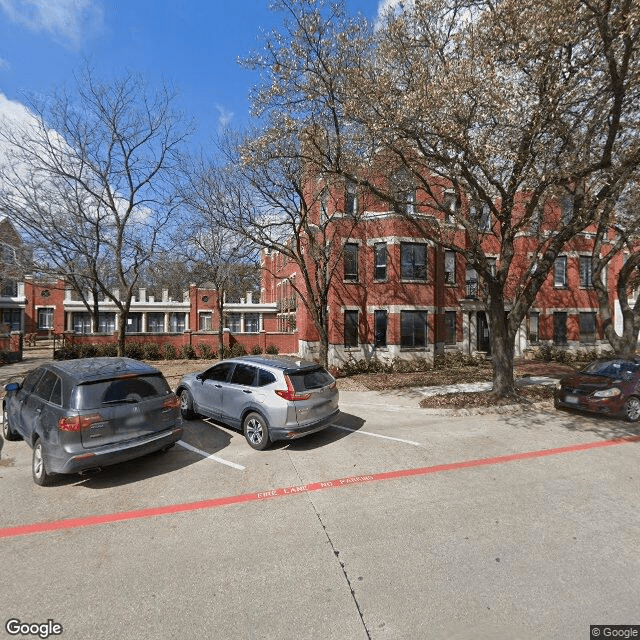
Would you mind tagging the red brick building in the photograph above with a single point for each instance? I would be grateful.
(399, 295)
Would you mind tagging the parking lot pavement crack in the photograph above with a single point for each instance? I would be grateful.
(336, 553)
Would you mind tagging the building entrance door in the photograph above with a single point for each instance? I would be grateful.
(484, 344)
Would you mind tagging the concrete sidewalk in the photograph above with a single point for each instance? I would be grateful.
(31, 357)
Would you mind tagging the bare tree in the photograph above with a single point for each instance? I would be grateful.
(89, 181)
(214, 252)
(504, 107)
(619, 233)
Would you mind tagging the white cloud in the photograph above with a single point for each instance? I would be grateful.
(68, 21)
(224, 116)
(386, 6)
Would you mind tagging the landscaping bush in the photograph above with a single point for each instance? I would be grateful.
(238, 350)
(256, 350)
(151, 351)
(168, 351)
(87, 350)
(206, 351)
(272, 350)
(134, 350)
(68, 352)
(108, 350)
(188, 352)
(4, 357)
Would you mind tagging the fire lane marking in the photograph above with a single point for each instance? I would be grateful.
(210, 456)
(375, 435)
(87, 521)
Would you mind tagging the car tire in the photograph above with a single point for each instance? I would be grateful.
(186, 405)
(7, 431)
(632, 409)
(40, 475)
(256, 431)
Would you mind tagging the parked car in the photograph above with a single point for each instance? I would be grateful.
(269, 398)
(85, 414)
(610, 386)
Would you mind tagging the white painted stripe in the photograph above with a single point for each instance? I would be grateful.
(378, 407)
(375, 435)
(208, 456)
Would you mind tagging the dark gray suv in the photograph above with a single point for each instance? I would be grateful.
(269, 398)
(83, 414)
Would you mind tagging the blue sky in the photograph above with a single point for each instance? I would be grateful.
(192, 44)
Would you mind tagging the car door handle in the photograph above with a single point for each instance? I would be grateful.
(246, 391)
(218, 386)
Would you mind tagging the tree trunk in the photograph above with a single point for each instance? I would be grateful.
(220, 327)
(122, 331)
(502, 348)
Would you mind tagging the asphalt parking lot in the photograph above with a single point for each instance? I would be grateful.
(394, 523)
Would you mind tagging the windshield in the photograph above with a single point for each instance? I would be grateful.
(618, 369)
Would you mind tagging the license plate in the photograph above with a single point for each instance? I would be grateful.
(571, 399)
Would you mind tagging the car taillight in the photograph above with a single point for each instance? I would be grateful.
(290, 393)
(171, 403)
(78, 423)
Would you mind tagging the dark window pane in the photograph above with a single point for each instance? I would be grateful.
(380, 328)
(265, 378)
(350, 328)
(413, 329)
(219, 372)
(244, 374)
(350, 261)
(380, 260)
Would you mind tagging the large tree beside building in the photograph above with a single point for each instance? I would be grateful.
(89, 181)
(490, 111)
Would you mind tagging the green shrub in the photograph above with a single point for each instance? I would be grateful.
(188, 352)
(151, 351)
(168, 351)
(134, 350)
(238, 350)
(68, 352)
(226, 352)
(87, 350)
(108, 350)
(206, 351)
(272, 350)
(256, 350)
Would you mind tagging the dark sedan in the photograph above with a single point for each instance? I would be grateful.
(610, 387)
(85, 414)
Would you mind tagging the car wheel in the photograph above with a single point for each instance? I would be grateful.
(186, 405)
(256, 431)
(632, 409)
(38, 470)
(7, 431)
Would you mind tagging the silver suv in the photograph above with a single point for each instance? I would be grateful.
(269, 398)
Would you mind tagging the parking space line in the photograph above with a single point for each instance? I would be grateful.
(210, 456)
(109, 518)
(375, 435)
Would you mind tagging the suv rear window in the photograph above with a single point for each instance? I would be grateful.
(310, 379)
(93, 395)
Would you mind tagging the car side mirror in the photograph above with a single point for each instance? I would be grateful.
(199, 377)
(12, 387)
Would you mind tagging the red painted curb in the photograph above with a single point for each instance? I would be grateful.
(88, 521)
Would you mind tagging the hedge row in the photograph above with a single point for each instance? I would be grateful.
(153, 351)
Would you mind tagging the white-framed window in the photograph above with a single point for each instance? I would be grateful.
(176, 322)
(252, 322)
(45, 318)
(560, 272)
(233, 322)
(449, 267)
(205, 321)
